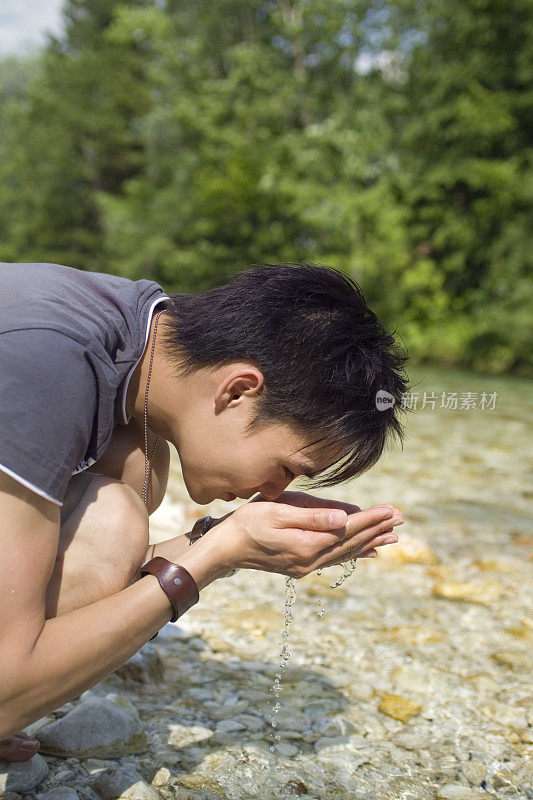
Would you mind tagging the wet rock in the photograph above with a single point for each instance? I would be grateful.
(161, 777)
(124, 783)
(413, 678)
(483, 592)
(399, 707)
(326, 742)
(504, 779)
(108, 726)
(61, 777)
(286, 749)
(513, 659)
(230, 725)
(61, 793)
(484, 683)
(201, 783)
(145, 666)
(338, 726)
(219, 712)
(526, 736)
(296, 787)
(184, 735)
(475, 772)
(361, 691)
(96, 765)
(22, 776)
(448, 768)
(251, 722)
(409, 789)
(410, 740)
(64, 709)
(504, 714)
(292, 734)
(39, 723)
(455, 791)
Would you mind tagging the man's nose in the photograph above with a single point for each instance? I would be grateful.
(271, 491)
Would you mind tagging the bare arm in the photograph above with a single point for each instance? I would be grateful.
(45, 663)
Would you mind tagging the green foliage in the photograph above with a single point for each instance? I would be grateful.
(182, 141)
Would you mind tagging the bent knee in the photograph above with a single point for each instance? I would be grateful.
(117, 524)
(103, 544)
(130, 529)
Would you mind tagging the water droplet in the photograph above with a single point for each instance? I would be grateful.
(290, 597)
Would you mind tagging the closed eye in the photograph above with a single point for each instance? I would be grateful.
(289, 474)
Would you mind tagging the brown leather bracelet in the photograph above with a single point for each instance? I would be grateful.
(178, 584)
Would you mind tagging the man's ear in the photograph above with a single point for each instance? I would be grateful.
(238, 381)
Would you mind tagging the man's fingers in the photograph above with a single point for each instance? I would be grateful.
(309, 519)
(357, 546)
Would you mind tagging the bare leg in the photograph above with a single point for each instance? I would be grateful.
(99, 553)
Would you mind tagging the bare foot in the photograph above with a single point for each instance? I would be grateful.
(19, 747)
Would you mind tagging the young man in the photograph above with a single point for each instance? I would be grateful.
(271, 376)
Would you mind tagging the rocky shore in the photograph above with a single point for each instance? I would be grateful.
(415, 684)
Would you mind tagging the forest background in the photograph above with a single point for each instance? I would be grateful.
(182, 141)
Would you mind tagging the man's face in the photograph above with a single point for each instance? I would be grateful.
(206, 416)
(229, 463)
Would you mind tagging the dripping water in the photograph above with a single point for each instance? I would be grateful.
(290, 597)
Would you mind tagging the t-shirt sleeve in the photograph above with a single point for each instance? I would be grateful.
(48, 404)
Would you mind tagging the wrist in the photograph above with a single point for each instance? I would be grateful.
(205, 560)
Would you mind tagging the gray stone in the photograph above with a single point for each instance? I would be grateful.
(62, 776)
(286, 749)
(218, 712)
(145, 666)
(227, 725)
(98, 727)
(91, 694)
(329, 741)
(22, 776)
(64, 709)
(251, 722)
(86, 793)
(124, 782)
(39, 723)
(61, 793)
(96, 765)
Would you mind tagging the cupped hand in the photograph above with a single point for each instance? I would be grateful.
(304, 500)
(296, 539)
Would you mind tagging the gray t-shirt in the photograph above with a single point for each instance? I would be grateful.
(69, 343)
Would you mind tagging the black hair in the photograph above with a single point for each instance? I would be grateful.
(322, 352)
